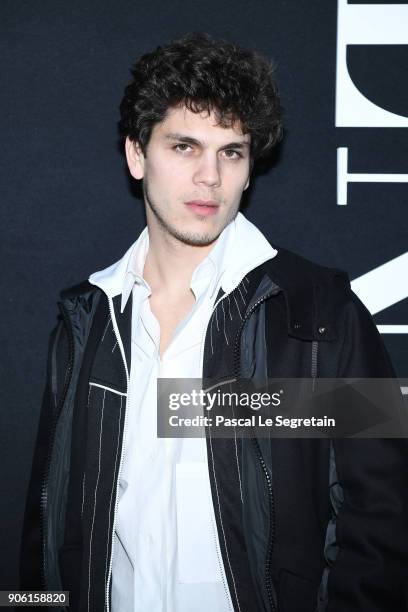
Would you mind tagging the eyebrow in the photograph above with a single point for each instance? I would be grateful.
(188, 140)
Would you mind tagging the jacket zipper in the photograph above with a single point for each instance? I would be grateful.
(272, 526)
(44, 488)
(264, 467)
(315, 346)
(119, 339)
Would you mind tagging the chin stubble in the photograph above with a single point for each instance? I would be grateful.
(190, 238)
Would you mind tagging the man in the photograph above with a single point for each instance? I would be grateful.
(131, 522)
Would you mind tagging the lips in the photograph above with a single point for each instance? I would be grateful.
(203, 208)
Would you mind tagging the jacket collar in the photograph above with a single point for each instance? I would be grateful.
(311, 294)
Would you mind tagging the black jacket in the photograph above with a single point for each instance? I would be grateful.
(321, 525)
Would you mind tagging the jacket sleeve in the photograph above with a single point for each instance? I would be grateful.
(70, 554)
(31, 555)
(371, 569)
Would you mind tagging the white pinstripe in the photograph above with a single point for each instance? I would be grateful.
(240, 316)
(83, 479)
(111, 497)
(93, 384)
(94, 508)
(242, 297)
(106, 329)
(239, 471)
(223, 312)
(229, 307)
(211, 322)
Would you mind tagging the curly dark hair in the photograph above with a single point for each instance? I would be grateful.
(204, 75)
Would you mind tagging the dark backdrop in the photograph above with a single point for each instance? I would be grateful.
(67, 206)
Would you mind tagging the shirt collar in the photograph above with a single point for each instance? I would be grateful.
(244, 249)
(210, 270)
(135, 266)
(225, 266)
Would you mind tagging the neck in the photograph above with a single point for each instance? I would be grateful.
(170, 263)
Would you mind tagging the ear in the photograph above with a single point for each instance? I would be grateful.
(135, 158)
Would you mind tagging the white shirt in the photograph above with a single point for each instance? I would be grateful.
(166, 551)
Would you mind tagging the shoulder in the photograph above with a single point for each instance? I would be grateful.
(81, 307)
(295, 270)
(82, 289)
(315, 294)
(322, 306)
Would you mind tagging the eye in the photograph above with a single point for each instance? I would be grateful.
(232, 154)
(182, 147)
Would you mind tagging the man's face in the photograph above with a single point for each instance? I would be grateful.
(193, 174)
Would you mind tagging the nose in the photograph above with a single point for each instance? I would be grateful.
(208, 171)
